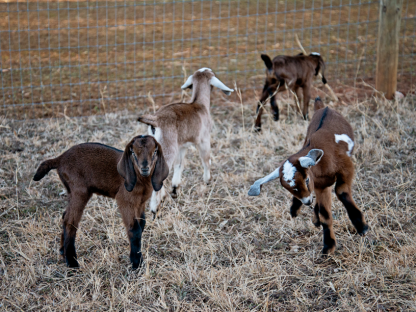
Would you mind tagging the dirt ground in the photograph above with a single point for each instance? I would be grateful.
(214, 248)
(63, 57)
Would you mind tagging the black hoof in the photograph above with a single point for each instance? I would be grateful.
(137, 263)
(294, 212)
(174, 193)
(363, 230)
(317, 224)
(73, 264)
(306, 117)
(257, 130)
(360, 226)
(327, 250)
(276, 116)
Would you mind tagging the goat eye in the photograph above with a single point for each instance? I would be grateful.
(295, 189)
(307, 181)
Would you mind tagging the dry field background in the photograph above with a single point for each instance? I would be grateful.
(64, 56)
(214, 248)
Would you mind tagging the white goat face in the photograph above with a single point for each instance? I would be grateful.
(214, 81)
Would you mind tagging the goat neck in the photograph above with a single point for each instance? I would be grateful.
(201, 93)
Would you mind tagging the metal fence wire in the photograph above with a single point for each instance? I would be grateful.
(85, 57)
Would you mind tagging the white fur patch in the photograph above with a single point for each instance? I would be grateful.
(204, 69)
(157, 135)
(315, 53)
(307, 200)
(346, 139)
(289, 173)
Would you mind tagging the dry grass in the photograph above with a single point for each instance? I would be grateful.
(214, 249)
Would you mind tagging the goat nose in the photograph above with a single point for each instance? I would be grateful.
(307, 201)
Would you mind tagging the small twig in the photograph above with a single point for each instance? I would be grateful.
(102, 92)
(184, 80)
(150, 98)
(358, 66)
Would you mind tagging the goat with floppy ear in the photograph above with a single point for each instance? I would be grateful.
(129, 177)
(177, 125)
(297, 72)
(324, 159)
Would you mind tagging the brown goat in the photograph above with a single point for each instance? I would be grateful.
(177, 125)
(324, 159)
(91, 168)
(295, 71)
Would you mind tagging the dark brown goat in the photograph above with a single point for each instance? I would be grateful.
(91, 168)
(324, 159)
(297, 72)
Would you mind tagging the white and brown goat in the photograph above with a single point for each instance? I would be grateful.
(324, 159)
(177, 125)
(297, 72)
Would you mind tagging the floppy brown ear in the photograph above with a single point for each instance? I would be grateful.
(161, 171)
(126, 169)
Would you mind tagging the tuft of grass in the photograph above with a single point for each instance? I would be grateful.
(214, 248)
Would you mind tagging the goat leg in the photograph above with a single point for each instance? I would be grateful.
(296, 205)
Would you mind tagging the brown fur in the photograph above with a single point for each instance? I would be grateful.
(93, 168)
(297, 72)
(331, 165)
(180, 124)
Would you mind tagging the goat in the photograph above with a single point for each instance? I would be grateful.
(177, 125)
(90, 168)
(295, 71)
(324, 159)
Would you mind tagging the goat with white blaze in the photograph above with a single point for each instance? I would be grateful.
(324, 159)
(177, 125)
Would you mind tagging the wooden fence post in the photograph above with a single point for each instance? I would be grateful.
(388, 46)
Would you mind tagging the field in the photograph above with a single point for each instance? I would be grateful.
(214, 248)
(63, 57)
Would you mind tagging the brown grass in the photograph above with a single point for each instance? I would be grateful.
(215, 248)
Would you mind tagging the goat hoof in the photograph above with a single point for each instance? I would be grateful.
(257, 130)
(174, 193)
(276, 116)
(364, 230)
(293, 213)
(137, 263)
(73, 264)
(317, 224)
(327, 250)
(306, 117)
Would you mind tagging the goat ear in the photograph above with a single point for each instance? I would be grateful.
(125, 168)
(267, 61)
(313, 157)
(188, 83)
(217, 83)
(161, 171)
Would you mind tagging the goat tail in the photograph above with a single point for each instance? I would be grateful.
(45, 167)
(322, 67)
(318, 104)
(148, 120)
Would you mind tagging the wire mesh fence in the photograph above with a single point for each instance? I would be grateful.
(88, 57)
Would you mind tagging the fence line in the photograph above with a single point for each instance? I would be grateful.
(66, 55)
